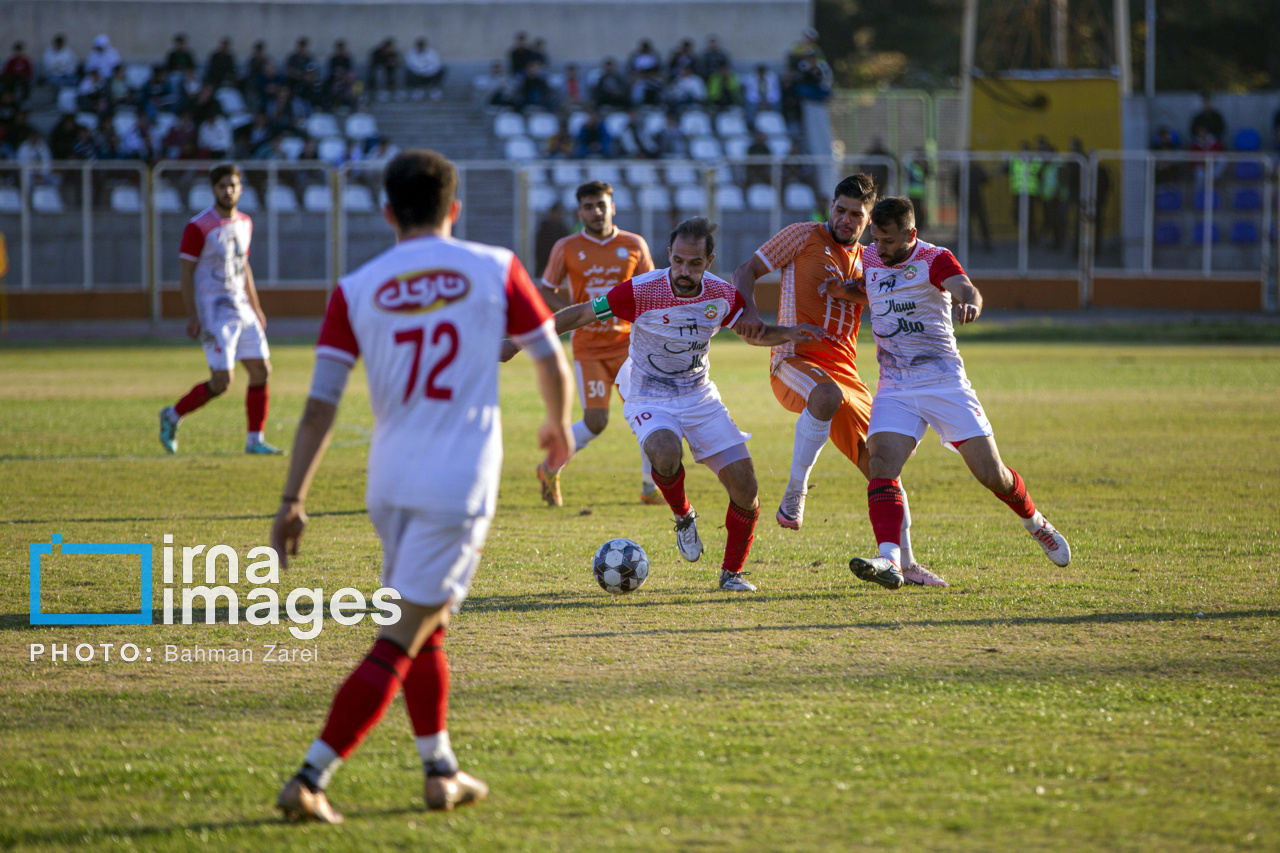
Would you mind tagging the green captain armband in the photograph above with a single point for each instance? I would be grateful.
(600, 305)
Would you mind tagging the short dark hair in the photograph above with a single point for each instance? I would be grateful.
(861, 187)
(220, 171)
(697, 228)
(594, 188)
(421, 185)
(895, 209)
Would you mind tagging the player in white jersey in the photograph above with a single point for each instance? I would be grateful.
(223, 311)
(915, 291)
(428, 315)
(669, 394)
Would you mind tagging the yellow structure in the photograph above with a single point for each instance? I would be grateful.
(1008, 112)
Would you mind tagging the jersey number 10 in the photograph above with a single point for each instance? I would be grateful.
(417, 337)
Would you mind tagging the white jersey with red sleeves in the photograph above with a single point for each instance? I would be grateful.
(429, 316)
(911, 317)
(670, 335)
(220, 249)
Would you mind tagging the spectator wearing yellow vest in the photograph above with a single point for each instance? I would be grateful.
(1024, 176)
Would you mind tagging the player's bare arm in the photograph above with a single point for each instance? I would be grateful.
(966, 301)
(555, 436)
(309, 443)
(773, 336)
(851, 290)
(744, 279)
(555, 298)
(252, 292)
(187, 285)
(567, 320)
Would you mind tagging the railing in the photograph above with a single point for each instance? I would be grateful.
(116, 225)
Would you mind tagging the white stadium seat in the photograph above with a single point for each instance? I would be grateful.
(641, 174)
(705, 148)
(622, 199)
(799, 197)
(761, 197)
(576, 120)
(10, 200)
(137, 75)
(691, 198)
(357, 198)
(89, 120)
(520, 148)
(249, 200)
(162, 124)
(566, 175)
(771, 123)
(126, 199)
(320, 125)
(282, 200)
(361, 126)
(729, 197)
(695, 123)
(46, 200)
(332, 150)
(167, 199)
(607, 172)
(542, 125)
(780, 146)
(569, 198)
(654, 123)
(508, 125)
(537, 175)
(542, 197)
(678, 176)
(616, 123)
(231, 100)
(199, 196)
(317, 199)
(124, 122)
(67, 100)
(292, 146)
(731, 123)
(655, 198)
(736, 147)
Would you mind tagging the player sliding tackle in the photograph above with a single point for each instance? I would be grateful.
(915, 292)
(669, 395)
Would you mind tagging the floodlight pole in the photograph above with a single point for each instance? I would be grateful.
(967, 48)
(1122, 46)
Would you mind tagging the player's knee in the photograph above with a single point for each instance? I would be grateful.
(825, 401)
(663, 450)
(596, 419)
(219, 382)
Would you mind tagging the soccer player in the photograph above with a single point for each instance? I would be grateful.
(915, 292)
(669, 395)
(594, 260)
(427, 315)
(818, 379)
(223, 311)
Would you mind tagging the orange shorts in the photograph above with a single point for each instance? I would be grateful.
(595, 380)
(794, 380)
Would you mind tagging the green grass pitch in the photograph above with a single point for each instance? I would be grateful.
(1128, 702)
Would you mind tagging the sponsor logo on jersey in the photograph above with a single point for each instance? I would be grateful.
(711, 312)
(421, 291)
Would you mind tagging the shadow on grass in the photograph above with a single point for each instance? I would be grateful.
(11, 838)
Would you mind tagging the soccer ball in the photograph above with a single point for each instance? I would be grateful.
(620, 566)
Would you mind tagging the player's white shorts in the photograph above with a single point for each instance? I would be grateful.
(429, 557)
(952, 409)
(706, 424)
(231, 338)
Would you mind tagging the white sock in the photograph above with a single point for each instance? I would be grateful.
(1034, 523)
(811, 437)
(255, 438)
(905, 538)
(437, 752)
(646, 473)
(893, 552)
(581, 438)
(322, 757)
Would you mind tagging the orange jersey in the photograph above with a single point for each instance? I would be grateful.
(807, 254)
(595, 267)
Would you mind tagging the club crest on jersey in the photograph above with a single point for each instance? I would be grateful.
(421, 291)
(711, 312)
(909, 273)
(622, 253)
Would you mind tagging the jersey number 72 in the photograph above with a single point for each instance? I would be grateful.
(417, 337)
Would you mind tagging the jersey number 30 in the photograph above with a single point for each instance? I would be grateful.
(444, 331)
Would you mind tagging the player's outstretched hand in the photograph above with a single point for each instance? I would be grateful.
(193, 328)
(806, 332)
(749, 325)
(286, 531)
(557, 439)
(508, 351)
(837, 288)
(964, 312)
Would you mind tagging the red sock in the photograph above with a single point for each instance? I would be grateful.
(673, 491)
(196, 397)
(426, 689)
(740, 530)
(255, 406)
(364, 696)
(884, 505)
(1018, 499)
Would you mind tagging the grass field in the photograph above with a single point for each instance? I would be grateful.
(1128, 702)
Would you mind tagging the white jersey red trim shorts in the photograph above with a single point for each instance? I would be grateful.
(429, 315)
(911, 317)
(670, 335)
(220, 249)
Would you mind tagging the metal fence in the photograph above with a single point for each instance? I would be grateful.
(116, 225)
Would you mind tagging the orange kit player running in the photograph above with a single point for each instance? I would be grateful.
(595, 260)
(818, 379)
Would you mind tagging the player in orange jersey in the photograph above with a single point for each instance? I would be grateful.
(818, 379)
(593, 261)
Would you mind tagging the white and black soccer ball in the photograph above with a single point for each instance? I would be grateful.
(620, 566)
